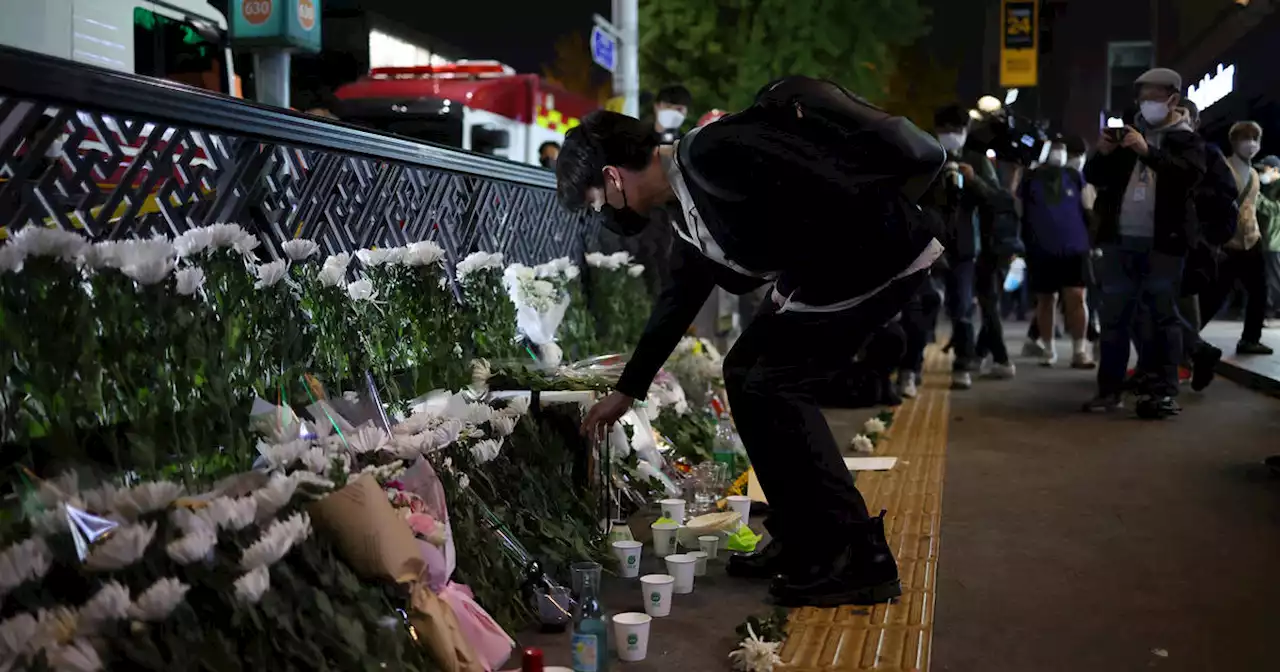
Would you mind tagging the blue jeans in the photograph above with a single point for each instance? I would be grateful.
(1131, 273)
(958, 281)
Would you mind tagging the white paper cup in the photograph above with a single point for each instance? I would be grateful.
(709, 544)
(673, 509)
(632, 635)
(741, 504)
(656, 590)
(664, 538)
(682, 566)
(700, 563)
(628, 555)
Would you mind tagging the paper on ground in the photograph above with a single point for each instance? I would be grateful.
(756, 493)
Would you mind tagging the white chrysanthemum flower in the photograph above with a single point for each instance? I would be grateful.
(109, 604)
(300, 249)
(194, 241)
(423, 253)
(123, 547)
(518, 405)
(42, 241)
(158, 601)
(361, 290)
(755, 655)
(595, 259)
(247, 245)
(25, 561)
(100, 499)
(477, 261)
(486, 450)
(190, 280)
(519, 272)
(314, 481)
(59, 488)
(145, 498)
(874, 426)
(367, 439)
(149, 272)
(464, 481)
(231, 514)
(551, 354)
(635, 270)
(503, 425)
(194, 546)
(11, 259)
(251, 586)
(315, 460)
(279, 456)
(863, 444)
(681, 407)
(276, 542)
(340, 260)
(270, 274)
(54, 626)
(275, 495)
(146, 261)
(332, 276)
(226, 235)
(481, 371)
(17, 636)
(381, 256)
(53, 520)
(76, 656)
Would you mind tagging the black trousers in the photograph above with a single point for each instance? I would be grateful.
(919, 321)
(988, 284)
(773, 375)
(1248, 267)
(958, 280)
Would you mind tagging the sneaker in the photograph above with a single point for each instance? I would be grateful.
(1083, 360)
(907, 385)
(765, 563)
(961, 380)
(1253, 348)
(984, 368)
(1032, 348)
(1050, 356)
(1000, 371)
(864, 573)
(1157, 408)
(1104, 403)
(1203, 364)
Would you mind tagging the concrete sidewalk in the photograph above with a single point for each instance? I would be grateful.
(1259, 372)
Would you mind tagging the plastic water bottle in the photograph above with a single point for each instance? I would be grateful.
(726, 444)
(590, 633)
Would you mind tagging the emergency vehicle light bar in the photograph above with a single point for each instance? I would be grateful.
(458, 69)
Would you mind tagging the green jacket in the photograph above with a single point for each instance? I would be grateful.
(1269, 215)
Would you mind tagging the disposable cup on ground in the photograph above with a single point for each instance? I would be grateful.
(673, 509)
(741, 504)
(700, 562)
(631, 631)
(628, 555)
(656, 590)
(682, 567)
(709, 544)
(664, 538)
(580, 569)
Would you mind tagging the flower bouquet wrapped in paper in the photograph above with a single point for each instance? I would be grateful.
(540, 307)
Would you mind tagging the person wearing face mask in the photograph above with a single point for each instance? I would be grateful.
(547, 153)
(1145, 174)
(1242, 260)
(811, 189)
(975, 215)
(1269, 224)
(670, 109)
(1056, 230)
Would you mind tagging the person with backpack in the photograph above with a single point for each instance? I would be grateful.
(814, 190)
(1242, 257)
(1056, 230)
(1144, 174)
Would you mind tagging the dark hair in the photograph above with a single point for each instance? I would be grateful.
(1245, 129)
(1075, 145)
(674, 95)
(603, 138)
(951, 116)
(549, 143)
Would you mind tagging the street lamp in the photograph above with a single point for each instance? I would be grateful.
(989, 104)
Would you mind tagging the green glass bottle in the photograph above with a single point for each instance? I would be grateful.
(590, 632)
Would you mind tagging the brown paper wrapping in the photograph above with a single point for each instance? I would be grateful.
(436, 627)
(372, 538)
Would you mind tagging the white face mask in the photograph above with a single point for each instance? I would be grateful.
(1267, 177)
(1057, 157)
(952, 142)
(670, 119)
(1247, 149)
(1155, 111)
(1076, 162)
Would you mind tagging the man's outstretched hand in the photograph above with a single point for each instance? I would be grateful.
(606, 412)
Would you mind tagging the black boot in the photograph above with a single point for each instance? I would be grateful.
(864, 572)
(1203, 363)
(765, 563)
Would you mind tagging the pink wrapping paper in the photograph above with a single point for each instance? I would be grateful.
(488, 638)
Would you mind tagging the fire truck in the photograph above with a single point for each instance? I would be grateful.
(481, 106)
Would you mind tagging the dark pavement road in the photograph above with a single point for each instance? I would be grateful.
(1095, 543)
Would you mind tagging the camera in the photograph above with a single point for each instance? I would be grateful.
(1011, 137)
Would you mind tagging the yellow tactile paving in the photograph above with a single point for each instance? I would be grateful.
(891, 636)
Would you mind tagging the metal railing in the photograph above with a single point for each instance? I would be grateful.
(119, 156)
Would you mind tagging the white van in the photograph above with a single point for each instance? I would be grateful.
(179, 40)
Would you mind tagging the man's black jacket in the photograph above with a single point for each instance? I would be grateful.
(819, 206)
(979, 215)
(1178, 162)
